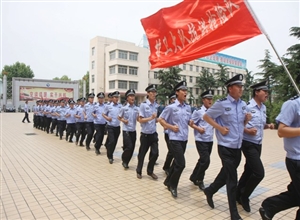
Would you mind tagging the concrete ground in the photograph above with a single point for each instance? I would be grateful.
(47, 178)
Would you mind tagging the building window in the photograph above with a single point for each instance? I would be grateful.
(93, 65)
(208, 70)
(133, 70)
(197, 68)
(123, 54)
(93, 51)
(184, 66)
(213, 70)
(156, 75)
(184, 78)
(111, 84)
(133, 56)
(112, 69)
(93, 90)
(191, 67)
(122, 84)
(93, 78)
(197, 91)
(197, 79)
(133, 85)
(191, 79)
(112, 55)
(202, 68)
(122, 69)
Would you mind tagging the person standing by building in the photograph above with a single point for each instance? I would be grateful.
(26, 112)
(252, 144)
(228, 116)
(203, 133)
(129, 115)
(71, 120)
(289, 130)
(54, 117)
(109, 101)
(48, 115)
(80, 123)
(110, 114)
(99, 122)
(35, 115)
(61, 118)
(149, 136)
(169, 157)
(89, 120)
(176, 118)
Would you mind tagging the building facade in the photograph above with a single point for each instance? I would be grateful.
(120, 65)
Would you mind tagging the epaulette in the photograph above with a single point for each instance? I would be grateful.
(223, 99)
(144, 102)
(248, 103)
(295, 97)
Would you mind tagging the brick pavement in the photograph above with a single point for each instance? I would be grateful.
(47, 178)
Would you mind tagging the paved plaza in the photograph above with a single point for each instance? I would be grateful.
(47, 178)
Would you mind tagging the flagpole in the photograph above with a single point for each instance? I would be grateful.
(264, 32)
(281, 61)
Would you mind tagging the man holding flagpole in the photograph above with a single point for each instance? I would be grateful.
(289, 129)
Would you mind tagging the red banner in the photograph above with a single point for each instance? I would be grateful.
(196, 28)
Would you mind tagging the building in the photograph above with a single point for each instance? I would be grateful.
(120, 65)
(26, 89)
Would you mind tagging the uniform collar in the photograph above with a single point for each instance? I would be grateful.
(149, 103)
(203, 106)
(128, 105)
(178, 103)
(231, 99)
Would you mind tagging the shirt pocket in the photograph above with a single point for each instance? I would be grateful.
(229, 116)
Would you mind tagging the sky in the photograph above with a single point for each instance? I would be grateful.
(53, 37)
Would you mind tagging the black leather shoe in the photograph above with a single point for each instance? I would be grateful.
(97, 152)
(173, 192)
(153, 176)
(245, 204)
(194, 181)
(70, 141)
(165, 183)
(209, 199)
(81, 145)
(264, 214)
(167, 172)
(111, 161)
(125, 165)
(60, 138)
(87, 148)
(139, 176)
(201, 185)
(235, 216)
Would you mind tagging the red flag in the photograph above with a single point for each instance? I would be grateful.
(196, 28)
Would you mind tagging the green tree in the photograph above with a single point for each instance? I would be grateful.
(269, 70)
(17, 70)
(64, 77)
(222, 77)
(284, 87)
(249, 79)
(168, 78)
(206, 80)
